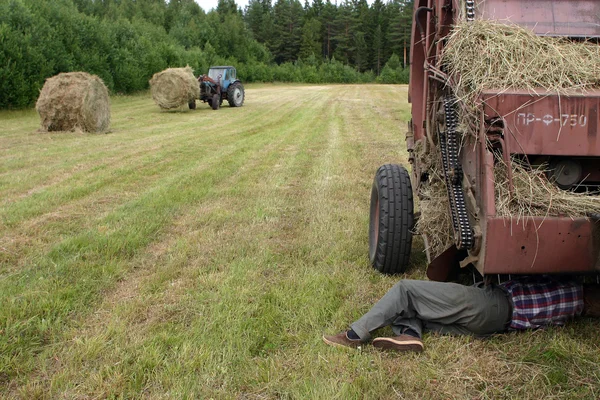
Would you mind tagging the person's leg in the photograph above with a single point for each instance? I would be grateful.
(409, 303)
(442, 329)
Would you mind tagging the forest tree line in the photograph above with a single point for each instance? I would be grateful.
(126, 41)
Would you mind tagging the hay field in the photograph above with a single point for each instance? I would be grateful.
(203, 254)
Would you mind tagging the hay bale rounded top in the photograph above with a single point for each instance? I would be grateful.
(72, 101)
(174, 87)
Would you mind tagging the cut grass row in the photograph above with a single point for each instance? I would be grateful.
(203, 254)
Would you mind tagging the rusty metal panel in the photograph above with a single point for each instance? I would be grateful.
(546, 123)
(575, 18)
(536, 245)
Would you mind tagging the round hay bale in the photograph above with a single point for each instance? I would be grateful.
(174, 87)
(74, 101)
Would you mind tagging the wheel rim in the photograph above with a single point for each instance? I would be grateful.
(237, 96)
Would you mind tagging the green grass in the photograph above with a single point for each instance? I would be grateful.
(203, 254)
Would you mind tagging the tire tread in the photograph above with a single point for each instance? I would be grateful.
(394, 242)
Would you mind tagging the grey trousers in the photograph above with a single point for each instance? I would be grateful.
(447, 308)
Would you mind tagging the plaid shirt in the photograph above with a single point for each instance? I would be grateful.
(542, 302)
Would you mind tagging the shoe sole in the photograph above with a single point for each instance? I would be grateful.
(336, 344)
(391, 344)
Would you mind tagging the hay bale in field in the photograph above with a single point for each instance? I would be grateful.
(174, 87)
(72, 101)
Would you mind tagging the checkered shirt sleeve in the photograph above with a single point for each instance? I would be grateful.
(541, 303)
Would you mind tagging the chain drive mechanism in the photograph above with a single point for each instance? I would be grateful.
(470, 10)
(453, 175)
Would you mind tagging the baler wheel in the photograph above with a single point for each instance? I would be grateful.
(192, 105)
(214, 103)
(391, 219)
(235, 94)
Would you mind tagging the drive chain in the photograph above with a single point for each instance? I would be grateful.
(453, 175)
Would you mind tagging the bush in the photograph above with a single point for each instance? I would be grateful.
(393, 72)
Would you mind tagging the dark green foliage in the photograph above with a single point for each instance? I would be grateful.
(353, 32)
(393, 72)
(126, 41)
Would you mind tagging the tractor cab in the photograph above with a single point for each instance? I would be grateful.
(222, 75)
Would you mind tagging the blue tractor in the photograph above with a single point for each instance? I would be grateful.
(220, 84)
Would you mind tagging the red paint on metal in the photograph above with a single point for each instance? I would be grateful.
(534, 124)
(546, 123)
(535, 245)
(578, 18)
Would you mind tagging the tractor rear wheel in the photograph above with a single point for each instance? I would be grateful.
(235, 94)
(391, 219)
(215, 102)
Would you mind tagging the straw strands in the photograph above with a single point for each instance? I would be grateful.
(535, 195)
(434, 221)
(74, 101)
(174, 87)
(482, 55)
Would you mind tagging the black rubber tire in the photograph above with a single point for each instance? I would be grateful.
(235, 95)
(391, 219)
(215, 102)
(192, 105)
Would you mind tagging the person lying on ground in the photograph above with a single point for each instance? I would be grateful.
(412, 307)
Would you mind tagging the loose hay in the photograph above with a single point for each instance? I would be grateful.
(482, 55)
(535, 195)
(174, 87)
(73, 101)
(434, 221)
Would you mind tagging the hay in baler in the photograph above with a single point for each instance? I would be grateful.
(434, 222)
(484, 55)
(74, 101)
(534, 194)
(174, 87)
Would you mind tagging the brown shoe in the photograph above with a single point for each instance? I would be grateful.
(342, 340)
(399, 343)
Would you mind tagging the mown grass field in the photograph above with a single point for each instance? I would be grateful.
(203, 254)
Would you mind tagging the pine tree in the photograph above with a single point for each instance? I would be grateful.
(377, 49)
(328, 16)
(400, 28)
(311, 39)
(343, 32)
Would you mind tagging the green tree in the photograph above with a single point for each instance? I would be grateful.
(377, 49)
(327, 18)
(400, 28)
(287, 19)
(343, 32)
(259, 18)
(311, 39)
(361, 52)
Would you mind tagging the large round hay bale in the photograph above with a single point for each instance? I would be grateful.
(174, 87)
(74, 101)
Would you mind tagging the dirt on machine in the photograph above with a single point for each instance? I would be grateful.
(221, 83)
(503, 142)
